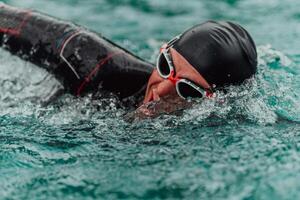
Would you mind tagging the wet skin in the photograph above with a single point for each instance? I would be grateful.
(158, 87)
(161, 96)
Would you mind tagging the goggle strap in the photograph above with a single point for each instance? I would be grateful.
(172, 78)
(209, 93)
(172, 41)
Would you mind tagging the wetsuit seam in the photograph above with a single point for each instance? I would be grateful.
(64, 45)
(17, 31)
(87, 79)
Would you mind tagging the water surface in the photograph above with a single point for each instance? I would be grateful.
(243, 145)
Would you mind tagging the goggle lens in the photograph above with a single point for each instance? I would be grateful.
(186, 90)
(163, 66)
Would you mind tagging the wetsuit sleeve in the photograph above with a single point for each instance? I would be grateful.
(81, 60)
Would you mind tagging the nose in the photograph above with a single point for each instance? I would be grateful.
(158, 87)
(165, 87)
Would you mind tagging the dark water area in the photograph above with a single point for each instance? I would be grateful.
(244, 144)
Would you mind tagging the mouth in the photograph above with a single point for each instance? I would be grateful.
(169, 105)
(150, 92)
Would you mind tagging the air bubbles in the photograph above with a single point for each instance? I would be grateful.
(262, 99)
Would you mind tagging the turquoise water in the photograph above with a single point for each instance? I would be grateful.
(242, 145)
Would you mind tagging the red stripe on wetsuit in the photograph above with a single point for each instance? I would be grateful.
(17, 31)
(88, 78)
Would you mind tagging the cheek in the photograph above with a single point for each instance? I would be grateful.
(166, 88)
(154, 79)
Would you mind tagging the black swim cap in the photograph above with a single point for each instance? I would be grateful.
(222, 52)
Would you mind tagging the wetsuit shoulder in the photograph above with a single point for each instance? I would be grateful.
(83, 61)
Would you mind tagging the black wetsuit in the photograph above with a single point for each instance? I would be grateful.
(81, 60)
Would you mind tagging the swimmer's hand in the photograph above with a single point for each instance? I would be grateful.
(165, 105)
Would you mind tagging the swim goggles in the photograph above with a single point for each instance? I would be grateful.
(185, 88)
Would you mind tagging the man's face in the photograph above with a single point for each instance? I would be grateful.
(159, 87)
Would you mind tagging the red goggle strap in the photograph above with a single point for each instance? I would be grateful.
(172, 78)
(209, 93)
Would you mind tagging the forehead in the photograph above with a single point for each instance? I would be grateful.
(185, 70)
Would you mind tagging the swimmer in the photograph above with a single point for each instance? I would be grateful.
(194, 64)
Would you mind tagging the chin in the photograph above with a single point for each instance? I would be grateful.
(167, 105)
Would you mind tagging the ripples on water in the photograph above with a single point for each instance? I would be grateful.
(242, 145)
